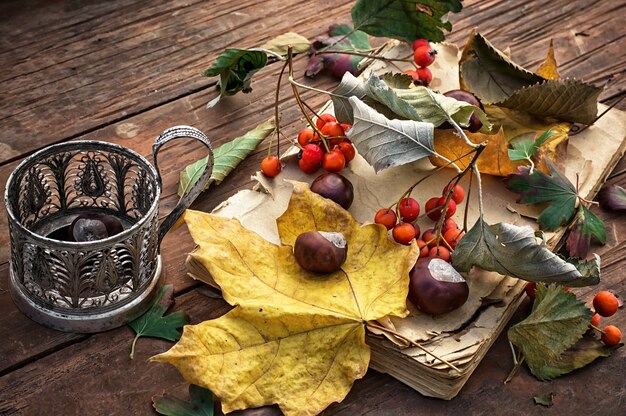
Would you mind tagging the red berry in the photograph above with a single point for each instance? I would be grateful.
(271, 166)
(431, 210)
(424, 76)
(346, 127)
(595, 320)
(611, 335)
(305, 136)
(312, 154)
(333, 129)
(424, 56)
(448, 224)
(307, 168)
(531, 290)
(409, 209)
(420, 42)
(423, 248)
(412, 73)
(605, 303)
(429, 237)
(458, 193)
(440, 253)
(386, 217)
(323, 119)
(451, 210)
(334, 161)
(403, 233)
(453, 236)
(348, 150)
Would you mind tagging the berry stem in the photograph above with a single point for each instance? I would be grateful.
(365, 55)
(381, 328)
(276, 115)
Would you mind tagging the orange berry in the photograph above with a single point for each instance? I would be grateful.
(440, 253)
(423, 248)
(611, 335)
(605, 303)
(595, 320)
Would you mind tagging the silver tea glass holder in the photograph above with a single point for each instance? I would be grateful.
(96, 285)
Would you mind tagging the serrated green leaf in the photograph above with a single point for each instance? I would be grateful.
(200, 403)
(558, 320)
(397, 80)
(584, 352)
(586, 226)
(387, 143)
(226, 157)
(235, 68)
(154, 324)
(565, 99)
(513, 251)
(589, 269)
(405, 20)
(280, 44)
(525, 145)
(538, 187)
(490, 74)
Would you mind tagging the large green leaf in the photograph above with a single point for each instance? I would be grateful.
(227, 157)
(490, 74)
(235, 68)
(557, 321)
(513, 251)
(406, 20)
(565, 99)
(387, 143)
(584, 352)
(536, 187)
(585, 227)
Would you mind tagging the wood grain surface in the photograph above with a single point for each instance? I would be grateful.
(123, 71)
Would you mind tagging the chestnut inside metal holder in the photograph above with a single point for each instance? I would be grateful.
(90, 286)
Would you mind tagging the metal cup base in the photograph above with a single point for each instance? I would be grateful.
(85, 322)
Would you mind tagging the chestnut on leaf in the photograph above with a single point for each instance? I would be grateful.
(335, 187)
(435, 287)
(320, 251)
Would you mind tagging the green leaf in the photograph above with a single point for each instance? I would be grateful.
(538, 187)
(154, 324)
(513, 251)
(585, 227)
(525, 145)
(226, 157)
(584, 352)
(557, 321)
(350, 86)
(200, 403)
(405, 20)
(235, 68)
(281, 43)
(589, 269)
(490, 74)
(565, 99)
(544, 399)
(358, 40)
(387, 143)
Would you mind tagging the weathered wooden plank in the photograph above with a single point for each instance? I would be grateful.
(116, 62)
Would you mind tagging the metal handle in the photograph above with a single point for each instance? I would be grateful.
(187, 199)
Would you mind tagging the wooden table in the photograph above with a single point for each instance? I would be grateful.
(123, 71)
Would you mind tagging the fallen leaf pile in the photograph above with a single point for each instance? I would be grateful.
(294, 338)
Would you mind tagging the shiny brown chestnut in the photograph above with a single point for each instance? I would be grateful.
(91, 227)
(435, 287)
(475, 124)
(320, 251)
(335, 187)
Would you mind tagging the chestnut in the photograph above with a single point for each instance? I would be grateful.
(320, 251)
(91, 227)
(335, 187)
(435, 287)
(475, 124)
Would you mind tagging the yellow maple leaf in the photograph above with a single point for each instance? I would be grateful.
(548, 68)
(296, 338)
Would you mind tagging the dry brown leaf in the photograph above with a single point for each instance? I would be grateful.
(548, 69)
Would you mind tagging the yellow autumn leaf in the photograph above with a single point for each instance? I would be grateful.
(548, 69)
(296, 338)
(495, 159)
